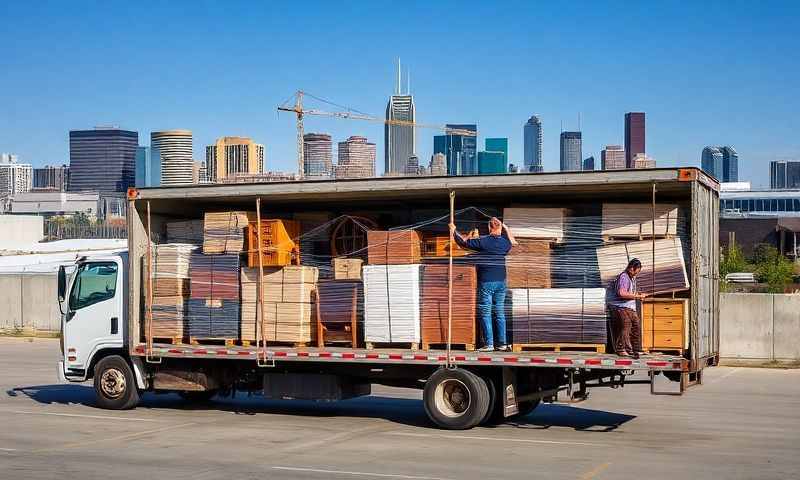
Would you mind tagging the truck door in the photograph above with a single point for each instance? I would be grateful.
(93, 319)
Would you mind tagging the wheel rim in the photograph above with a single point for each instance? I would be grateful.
(112, 383)
(452, 398)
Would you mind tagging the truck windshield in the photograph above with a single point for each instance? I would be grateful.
(95, 282)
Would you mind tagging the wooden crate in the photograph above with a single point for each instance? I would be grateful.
(280, 244)
(528, 264)
(347, 268)
(665, 324)
(434, 304)
(393, 247)
(439, 246)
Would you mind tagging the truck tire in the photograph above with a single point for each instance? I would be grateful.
(491, 411)
(198, 397)
(114, 384)
(455, 399)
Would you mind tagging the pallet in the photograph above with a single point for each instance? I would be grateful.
(469, 347)
(558, 347)
(246, 343)
(228, 342)
(396, 345)
(169, 340)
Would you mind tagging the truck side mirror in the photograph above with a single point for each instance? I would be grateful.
(62, 283)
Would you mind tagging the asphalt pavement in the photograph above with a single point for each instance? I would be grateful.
(742, 423)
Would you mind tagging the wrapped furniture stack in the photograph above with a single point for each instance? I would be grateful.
(279, 242)
(288, 293)
(536, 222)
(393, 247)
(558, 318)
(223, 232)
(635, 220)
(434, 305)
(528, 264)
(213, 311)
(170, 283)
(340, 311)
(186, 231)
(664, 274)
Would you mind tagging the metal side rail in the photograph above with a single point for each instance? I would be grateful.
(586, 360)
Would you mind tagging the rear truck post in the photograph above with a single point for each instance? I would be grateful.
(103, 305)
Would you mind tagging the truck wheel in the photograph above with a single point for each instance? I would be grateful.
(456, 399)
(198, 397)
(114, 384)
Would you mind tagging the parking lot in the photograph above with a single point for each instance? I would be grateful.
(742, 423)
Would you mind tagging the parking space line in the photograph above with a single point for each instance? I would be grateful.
(79, 415)
(8, 449)
(129, 436)
(359, 474)
(494, 439)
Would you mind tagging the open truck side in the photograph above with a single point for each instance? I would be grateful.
(106, 339)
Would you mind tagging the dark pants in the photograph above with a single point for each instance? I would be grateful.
(626, 330)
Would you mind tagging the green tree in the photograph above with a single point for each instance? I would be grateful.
(772, 268)
(732, 261)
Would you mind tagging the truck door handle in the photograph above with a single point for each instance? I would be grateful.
(114, 325)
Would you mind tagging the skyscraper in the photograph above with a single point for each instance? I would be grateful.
(234, 156)
(730, 164)
(643, 160)
(612, 158)
(412, 166)
(461, 150)
(356, 158)
(148, 167)
(317, 155)
(571, 153)
(51, 178)
(711, 161)
(102, 160)
(634, 136)
(588, 163)
(400, 141)
(438, 166)
(533, 144)
(492, 162)
(497, 145)
(175, 147)
(15, 178)
(784, 174)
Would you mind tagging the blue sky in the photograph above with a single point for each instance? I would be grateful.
(704, 72)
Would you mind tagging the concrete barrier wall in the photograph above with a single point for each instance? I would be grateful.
(759, 327)
(29, 302)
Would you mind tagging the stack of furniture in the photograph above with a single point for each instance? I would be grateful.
(288, 295)
(665, 325)
(536, 222)
(340, 311)
(347, 268)
(393, 247)
(635, 220)
(170, 283)
(391, 304)
(223, 232)
(279, 242)
(213, 310)
(558, 318)
(665, 273)
(440, 246)
(528, 264)
(434, 305)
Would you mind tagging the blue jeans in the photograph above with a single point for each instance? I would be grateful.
(492, 298)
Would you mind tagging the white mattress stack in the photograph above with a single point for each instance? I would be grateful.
(391, 310)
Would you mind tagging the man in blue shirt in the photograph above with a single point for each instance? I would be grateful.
(490, 260)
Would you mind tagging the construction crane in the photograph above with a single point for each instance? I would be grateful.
(350, 114)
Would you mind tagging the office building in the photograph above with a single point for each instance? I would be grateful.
(148, 167)
(612, 158)
(356, 158)
(261, 177)
(9, 158)
(175, 149)
(492, 162)
(533, 144)
(15, 178)
(412, 166)
(102, 160)
(51, 178)
(642, 160)
(588, 163)
(400, 141)
(497, 145)
(634, 136)
(711, 162)
(202, 172)
(460, 150)
(438, 165)
(784, 174)
(730, 164)
(317, 155)
(49, 203)
(571, 153)
(234, 156)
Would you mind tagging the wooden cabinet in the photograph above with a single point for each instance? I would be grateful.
(665, 324)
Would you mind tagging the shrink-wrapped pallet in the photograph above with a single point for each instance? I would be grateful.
(434, 304)
(213, 319)
(535, 222)
(170, 289)
(347, 268)
(215, 276)
(223, 232)
(635, 220)
(391, 303)
(341, 310)
(666, 274)
(171, 260)
(282, 284)
(283, 322)
(169, 316)
(528, 264)
(558, 315)
(393, 247)
(186, 231)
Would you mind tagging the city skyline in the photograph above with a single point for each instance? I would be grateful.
(685, 111)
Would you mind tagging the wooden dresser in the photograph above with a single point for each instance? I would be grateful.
(665, 324)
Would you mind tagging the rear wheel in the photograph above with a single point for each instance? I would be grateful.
(114, 384)
(456, 399)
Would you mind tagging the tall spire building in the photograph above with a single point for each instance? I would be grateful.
(400, 141)
(533, 145)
